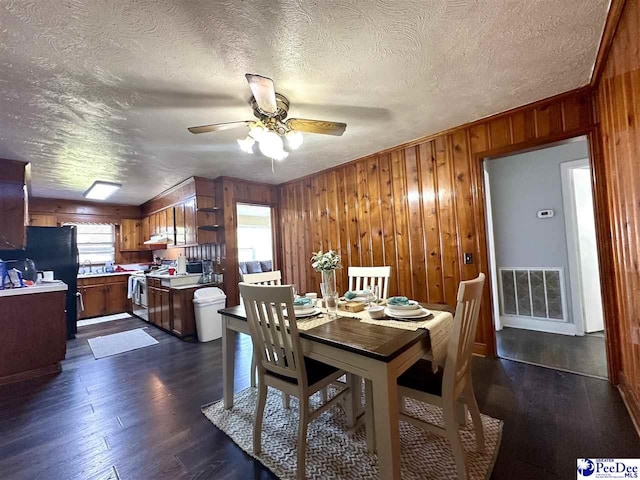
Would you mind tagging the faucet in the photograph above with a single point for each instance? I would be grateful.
(85, 263)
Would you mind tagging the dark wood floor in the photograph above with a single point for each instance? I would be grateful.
(137, 416)
(585, 354)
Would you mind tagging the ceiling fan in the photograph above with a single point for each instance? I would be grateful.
(271, 108)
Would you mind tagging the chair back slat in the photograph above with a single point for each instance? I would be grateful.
(276, 340)
(463, 333)
(263, 278)
(359, 277)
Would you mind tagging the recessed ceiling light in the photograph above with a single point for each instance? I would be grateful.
(102, 190)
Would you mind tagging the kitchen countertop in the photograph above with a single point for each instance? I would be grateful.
(42, 288)
(184, 287)
(166, 276)
(95, 275)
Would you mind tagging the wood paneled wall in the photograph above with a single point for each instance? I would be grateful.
(418, 207)
(233, 191)
(617, 95)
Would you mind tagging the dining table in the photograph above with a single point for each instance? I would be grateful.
(375, 352)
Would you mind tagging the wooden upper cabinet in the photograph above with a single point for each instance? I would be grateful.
(161, 222)
(131, 238)
(146, 232)
(42, 220)
(180, 225)
(13, 204)
(171, 226)
(190, 225)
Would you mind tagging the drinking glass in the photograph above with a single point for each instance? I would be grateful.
(368, 295)
(331, 301)
(295, 292)
(376, 294)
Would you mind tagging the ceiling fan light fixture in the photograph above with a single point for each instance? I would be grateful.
(294, 139)
(281, 155)
(257, 131)
(271, 145)
(246, 144)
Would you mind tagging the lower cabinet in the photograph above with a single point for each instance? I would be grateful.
(104, 295)
(171, 308)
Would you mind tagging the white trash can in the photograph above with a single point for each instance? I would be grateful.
(206, 303)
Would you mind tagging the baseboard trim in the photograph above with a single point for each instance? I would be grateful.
(524, 323)
(631, 402)
(480, 349)
(31, 374)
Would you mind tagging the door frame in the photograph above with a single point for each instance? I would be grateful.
(603, 234)
(573, 243)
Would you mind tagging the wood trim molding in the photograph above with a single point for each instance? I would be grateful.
(73, 210)
(610, 26)
(631, 402)
(480, 121)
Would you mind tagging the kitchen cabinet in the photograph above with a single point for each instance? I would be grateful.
(104, 295)
(13, 204)
(172, 308)
(182, 310)
(34, 328)
(165, 308)
(42, 220)
(94, 300)
(153, 225)
(131, 237)
(116, 297)
(161, 221)
(146, 233)
(171, 226)
(190, 226)
(180, 228)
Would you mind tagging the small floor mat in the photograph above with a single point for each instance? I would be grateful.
(120, 342)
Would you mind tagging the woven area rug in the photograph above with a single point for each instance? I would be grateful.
(334, 454)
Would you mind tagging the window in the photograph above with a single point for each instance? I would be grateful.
(96, 242)
(255, 237)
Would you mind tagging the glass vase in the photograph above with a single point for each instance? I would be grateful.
(328, 286)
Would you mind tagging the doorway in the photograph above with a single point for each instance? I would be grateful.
(255, 238)
(543, 258)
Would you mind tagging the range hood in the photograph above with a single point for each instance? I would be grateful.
(161, 239)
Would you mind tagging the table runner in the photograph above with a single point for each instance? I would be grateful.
(439, 327)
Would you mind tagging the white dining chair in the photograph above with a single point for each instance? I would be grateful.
(261, 278)
(281, 364)
(450, 388)
(360, 277)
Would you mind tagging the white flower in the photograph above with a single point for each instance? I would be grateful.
(322, 262)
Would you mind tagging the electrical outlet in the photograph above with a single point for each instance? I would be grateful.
(468, 258)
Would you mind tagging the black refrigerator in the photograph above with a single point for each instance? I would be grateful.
(56, 249)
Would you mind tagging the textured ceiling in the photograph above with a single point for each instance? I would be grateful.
(105, 89)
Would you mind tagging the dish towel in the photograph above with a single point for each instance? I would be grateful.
(131, 284)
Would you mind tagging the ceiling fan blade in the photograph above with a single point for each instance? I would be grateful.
(263, 91)
(216, 127)
(317, 126)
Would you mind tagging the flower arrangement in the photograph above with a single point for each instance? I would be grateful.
(325, 262)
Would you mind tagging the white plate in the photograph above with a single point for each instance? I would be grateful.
(310, 313)
(423, 312)
(413, 305)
